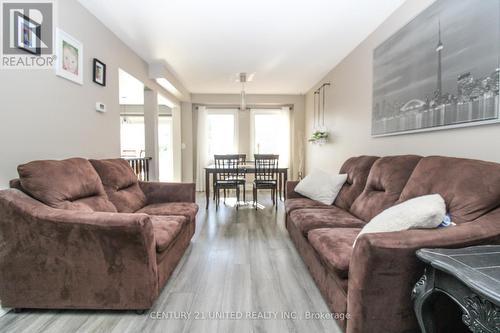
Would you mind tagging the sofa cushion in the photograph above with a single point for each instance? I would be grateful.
(308, 219)
(321, 186)
(470, 188)
(301, 203)
(357, 170)
(68, 184)
(388, 176)
(425, 212)
(121, 184)
(166, 229)
(334, 246)
(186, 209)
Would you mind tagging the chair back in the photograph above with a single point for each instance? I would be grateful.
(243, 158)
(228, 167)
(266, 167)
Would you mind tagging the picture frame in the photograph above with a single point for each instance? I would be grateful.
(435, 74)
(69, 61)
(99, 72)
(27, 34)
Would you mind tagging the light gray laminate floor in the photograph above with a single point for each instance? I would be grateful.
(239, 262)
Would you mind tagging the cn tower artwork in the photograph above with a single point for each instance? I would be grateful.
(439, 71)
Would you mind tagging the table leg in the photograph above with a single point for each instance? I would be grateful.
(422, 302)
(207, 187)
(285, 179)
(280, 183)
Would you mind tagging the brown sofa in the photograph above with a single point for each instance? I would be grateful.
(88, 235)
(372, 282)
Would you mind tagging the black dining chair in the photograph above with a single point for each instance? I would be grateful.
(243, 158)
(229, 175)
(243, 161)
(266, 176)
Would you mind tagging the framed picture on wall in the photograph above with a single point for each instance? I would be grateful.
(99, 72)
(69, 61)
(439, 71)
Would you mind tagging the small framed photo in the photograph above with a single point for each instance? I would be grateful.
(99, 72)
(27, 34)
(69, 62)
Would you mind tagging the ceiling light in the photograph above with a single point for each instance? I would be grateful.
(243, 100)
(168, 86)
(249, 77)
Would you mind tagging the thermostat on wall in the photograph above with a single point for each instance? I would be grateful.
(100, 107)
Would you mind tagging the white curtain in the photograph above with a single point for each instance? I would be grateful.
(270, 133)
(209, 144)
(285, 156)
(202, 149)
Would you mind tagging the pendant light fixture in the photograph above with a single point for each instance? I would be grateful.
(244, 78)
(243, 101)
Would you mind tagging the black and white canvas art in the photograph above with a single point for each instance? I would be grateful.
(441, 70)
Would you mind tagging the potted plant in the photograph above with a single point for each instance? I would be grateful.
(319, 137)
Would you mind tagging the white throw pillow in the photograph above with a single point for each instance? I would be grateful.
(426, 212)
(321, 186)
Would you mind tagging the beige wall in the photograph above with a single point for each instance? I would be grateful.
(348, 112)
(296, 119)
(44, 116)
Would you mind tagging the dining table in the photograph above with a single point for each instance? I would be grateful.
(246, 168)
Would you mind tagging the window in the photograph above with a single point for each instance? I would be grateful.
(217, 134)
(132, 131)
(221, 133)
(165, 148)
(271, 133)
(132, 136)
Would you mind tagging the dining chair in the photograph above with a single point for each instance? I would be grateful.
(266, 176)
(243, 161)
(228, 175)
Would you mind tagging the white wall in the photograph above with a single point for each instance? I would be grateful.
(151, 132)
(187, 142)
(44, 116)
(296, 119)
(349, 106)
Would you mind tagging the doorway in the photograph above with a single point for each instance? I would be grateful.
(132, 129)
(165, 140)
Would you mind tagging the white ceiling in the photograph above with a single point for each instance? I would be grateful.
(289, 44)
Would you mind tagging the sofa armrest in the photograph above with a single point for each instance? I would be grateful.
(384, 269)
(157, 192)
(53, 258)
(289, 190)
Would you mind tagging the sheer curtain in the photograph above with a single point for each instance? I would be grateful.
(270, 133)
(286, 158)
(202, 157)
(217, 134)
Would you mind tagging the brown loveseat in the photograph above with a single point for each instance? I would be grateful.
(87, 235)
(372, 282)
